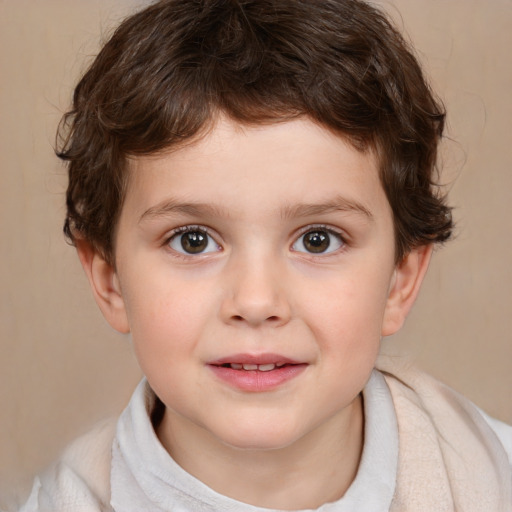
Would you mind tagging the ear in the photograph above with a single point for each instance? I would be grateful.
(105, 285)
(405, 285)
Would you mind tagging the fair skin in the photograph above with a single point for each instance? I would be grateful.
(265, 245)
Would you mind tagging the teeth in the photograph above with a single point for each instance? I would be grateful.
(260, 367)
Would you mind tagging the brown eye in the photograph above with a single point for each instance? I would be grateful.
(193, 241)
(318, 241)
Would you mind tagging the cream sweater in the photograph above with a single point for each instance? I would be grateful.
(426, 449)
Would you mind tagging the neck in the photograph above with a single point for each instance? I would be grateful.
(316, 469)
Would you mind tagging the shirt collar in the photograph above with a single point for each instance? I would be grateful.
(145, 477)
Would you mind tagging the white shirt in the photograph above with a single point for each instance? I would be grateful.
(143, 477)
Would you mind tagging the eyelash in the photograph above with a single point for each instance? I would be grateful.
(176, 233)
(308, 229)
(341, 237)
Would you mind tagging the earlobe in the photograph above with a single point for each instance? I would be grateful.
(105, 285)
(405, 285)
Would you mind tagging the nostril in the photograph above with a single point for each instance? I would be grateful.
(240, 318)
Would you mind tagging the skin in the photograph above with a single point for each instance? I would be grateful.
(256, 288)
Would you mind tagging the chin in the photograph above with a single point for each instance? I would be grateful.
(258, 437)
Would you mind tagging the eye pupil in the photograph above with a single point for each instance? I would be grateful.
(317, 241)
(194, 242)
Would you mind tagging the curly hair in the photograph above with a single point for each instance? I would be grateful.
(169, 69)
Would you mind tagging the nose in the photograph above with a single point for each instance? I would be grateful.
(255, 294)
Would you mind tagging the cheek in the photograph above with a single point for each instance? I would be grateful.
(166, 321)
(348, 311)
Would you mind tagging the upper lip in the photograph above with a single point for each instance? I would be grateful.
(258, 359)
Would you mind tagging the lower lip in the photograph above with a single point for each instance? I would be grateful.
(256, 381)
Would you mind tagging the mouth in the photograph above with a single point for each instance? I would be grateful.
(268, 367)
(255, 362)
(256, 373)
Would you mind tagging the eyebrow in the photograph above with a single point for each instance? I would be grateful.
(171, 207)
(338, 204)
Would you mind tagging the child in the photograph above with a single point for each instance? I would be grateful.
(252, 197)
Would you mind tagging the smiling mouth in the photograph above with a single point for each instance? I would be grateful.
(256, 373)
(254, 367)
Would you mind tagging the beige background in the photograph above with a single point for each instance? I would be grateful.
(62, 368)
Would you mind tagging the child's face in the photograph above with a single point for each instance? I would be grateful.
(263, 245)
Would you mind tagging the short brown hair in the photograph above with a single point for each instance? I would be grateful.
(168, 69)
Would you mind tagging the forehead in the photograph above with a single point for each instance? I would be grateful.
(264, 166)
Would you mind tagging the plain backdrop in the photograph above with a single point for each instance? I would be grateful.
(62, 368)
